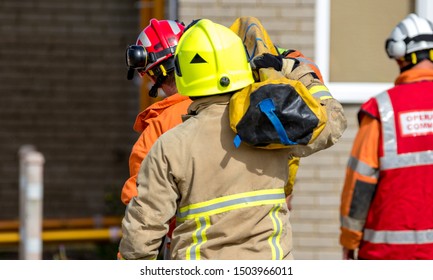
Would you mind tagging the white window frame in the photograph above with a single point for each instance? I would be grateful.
(349, 92)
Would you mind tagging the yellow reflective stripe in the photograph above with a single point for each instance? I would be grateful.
(231, 202)
(321, 92)
(274, 239)
(198, 238)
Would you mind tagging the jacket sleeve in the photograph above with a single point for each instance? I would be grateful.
(148, 215)
(165, 115)
(139, 151)
(298, 67)
(360, 182)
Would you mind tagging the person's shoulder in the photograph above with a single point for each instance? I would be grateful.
(176, 140)
(182, 130)
(370, 109)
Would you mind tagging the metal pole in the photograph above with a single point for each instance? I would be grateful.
(31, 196)
(171, 9)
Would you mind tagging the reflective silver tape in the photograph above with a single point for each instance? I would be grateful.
(306, 61)
(322, 95)
(320, 91)
(390, 159)
(406, 160)
(399, 236)
(388, 124)
(352, 223)
(362, 168)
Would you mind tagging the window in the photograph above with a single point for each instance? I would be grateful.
(350, 44)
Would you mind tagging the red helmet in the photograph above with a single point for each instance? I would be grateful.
(153, 53)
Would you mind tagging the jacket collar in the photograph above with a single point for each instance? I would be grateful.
(414, 75)
(155, 110)
(203, 102)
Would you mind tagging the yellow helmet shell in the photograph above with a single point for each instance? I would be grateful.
(210, 59)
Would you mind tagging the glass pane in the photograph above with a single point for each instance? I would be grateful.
(358, 33)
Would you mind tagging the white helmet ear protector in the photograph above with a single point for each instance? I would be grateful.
(395, 49)
(398, 49)
(411, 35)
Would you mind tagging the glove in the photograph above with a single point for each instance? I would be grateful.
(267, 60)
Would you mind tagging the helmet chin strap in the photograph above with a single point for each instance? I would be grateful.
(161, 72)
(153, 92)
(130, 74)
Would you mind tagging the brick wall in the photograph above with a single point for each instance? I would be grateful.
(316, 201)
(64, 89)
(316, 197)
(290, 23)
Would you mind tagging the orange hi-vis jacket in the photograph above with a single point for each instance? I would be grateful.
(387, 200)
(152, 123)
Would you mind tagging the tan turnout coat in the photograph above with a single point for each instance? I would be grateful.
(229, 202)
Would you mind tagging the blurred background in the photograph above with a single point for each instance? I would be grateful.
(63, 90)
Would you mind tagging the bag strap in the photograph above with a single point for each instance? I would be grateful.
(268, 108)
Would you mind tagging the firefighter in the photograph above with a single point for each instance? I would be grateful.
(229, 202)
(153, 55)
(387, 199)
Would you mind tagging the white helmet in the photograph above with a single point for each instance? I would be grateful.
(412, 34)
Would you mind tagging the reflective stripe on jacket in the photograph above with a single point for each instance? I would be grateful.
(200, 213)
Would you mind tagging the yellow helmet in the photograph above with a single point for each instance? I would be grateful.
(210, 59)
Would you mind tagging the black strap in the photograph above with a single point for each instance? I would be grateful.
(420, 56)
(130, 74)
(153, 92)
(162, 53)
(419, 38)
(193, 22)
